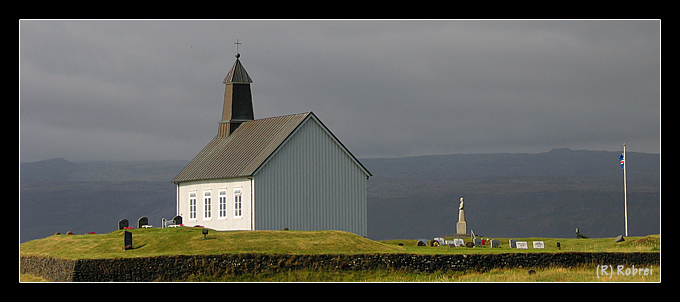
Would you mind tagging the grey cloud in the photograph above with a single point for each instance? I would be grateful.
(385, 88)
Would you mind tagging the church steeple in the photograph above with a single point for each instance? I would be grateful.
(238, 100)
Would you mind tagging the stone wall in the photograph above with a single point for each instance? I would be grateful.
(176, 268)
(53, 269)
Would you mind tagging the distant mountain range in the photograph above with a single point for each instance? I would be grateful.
(506, 195)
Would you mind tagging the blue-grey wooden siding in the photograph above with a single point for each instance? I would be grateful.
(311, 183)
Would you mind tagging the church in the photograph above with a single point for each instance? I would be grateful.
(284, 172)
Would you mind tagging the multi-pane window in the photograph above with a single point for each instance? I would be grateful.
(222, 203)
(207, 207)
(192, 205)
(237, 203)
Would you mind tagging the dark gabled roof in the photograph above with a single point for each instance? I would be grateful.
(237, 74)
(243, 152)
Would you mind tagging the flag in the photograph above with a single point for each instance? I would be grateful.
(623, 161)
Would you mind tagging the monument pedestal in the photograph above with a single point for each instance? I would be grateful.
(461, 226)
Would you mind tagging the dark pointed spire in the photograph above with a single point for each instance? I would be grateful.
(237, 74)
(238, 100)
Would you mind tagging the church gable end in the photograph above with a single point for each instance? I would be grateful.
(311, 182)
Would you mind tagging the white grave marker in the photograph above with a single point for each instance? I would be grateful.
(523, 245)
(539, 245)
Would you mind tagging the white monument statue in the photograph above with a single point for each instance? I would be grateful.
(461, 226)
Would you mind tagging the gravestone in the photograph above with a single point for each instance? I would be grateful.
(539, 244)
(422, 242)
(513, 243)
(128, 240)
(122, 224)
(523, 245)
(458, 242)
(619, 238)
(495, 243)
(178, 220)
(477, 242)
(142, 221)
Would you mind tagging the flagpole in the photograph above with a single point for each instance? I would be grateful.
(625, 195)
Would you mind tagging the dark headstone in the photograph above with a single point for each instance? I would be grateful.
(178, 220)
(469, 244)
(122, 224)
(619, 238)
(128, 240)
(142, 221)
(559, 246)
(513, 243)
(477, 242)
(495, 243)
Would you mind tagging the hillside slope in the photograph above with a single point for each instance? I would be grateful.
(190, 241)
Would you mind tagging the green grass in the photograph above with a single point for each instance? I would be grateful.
(189, 241)
(555, 274)
(586, 273)
(650, 243)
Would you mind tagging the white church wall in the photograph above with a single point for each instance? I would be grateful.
(224, 204)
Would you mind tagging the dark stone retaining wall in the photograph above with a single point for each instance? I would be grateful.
(53, 269)
(175, 268)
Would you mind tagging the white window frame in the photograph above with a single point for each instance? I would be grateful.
(207, 205)
(192, 205)
(222, 204)
(238, 203)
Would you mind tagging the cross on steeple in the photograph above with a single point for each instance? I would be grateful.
(237, 44)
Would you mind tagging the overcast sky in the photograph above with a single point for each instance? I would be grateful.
(152, 90)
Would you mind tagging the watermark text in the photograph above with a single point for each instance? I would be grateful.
(605, 270)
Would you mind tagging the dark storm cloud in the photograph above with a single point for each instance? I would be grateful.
(95, 90)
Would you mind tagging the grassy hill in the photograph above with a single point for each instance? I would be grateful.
(190, 241)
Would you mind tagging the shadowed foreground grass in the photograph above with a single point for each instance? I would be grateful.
(556, 274)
